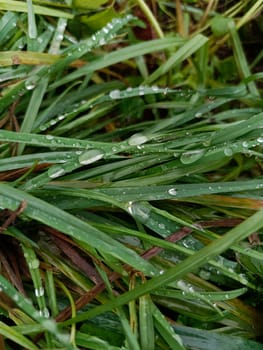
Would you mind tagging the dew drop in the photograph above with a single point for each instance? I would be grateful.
(138, 211)
(141, 90)
(42, 127)
(137, 139)
(191, 156)
(155, 88)
(44, 312)
(172, 191)
(39, 292)
(16, 297)
(245, 144)
(205, 274)
(260, 139)
(198, 115)
(33, 264)
(90, 156)
(55, 171)
(115, 94)
(129, 208)
(49, 137)
(29, 85)
(161, 226)
(228, 152)
(53, 122)
(59, 37)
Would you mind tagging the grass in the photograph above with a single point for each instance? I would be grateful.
(130, 175)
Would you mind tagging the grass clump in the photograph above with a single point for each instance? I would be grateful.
(130, 168)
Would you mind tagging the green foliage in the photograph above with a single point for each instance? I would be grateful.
(130, 176)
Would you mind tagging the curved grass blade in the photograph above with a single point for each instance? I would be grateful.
(12, 334)
(18, 6)
(52, 216)
(240, 232)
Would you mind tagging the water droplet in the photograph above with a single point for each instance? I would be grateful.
(141, 90)
(33, 264)
(172, 191)
(245, 143)
(53, 122)
(191, 156)
(29, 84)
(137, 139)
(228, 151)
(165, 91)
(90, 156)
(140, 212)
(129, 208)
(198, 115)
(49, 137)
(205, 274)
(140, 146)
(115, 94)
(55, 171)
(155, 88)
(59, 37)
(161, 226)
(44, 313)
(39, 292)
(42, 127)
(16, 297)
(260, 139)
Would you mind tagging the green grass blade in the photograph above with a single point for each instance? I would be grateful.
(48, 214)
(240, 232)
(10, 333)
(184, 52)
(19, 6)
(241, 59)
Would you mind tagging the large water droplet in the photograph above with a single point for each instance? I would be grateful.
(137, 139)
(90, 156)
(204, 274)
(33, 264)
(172, 191)
(138, 211)
(260, 139)
(191, 156)
(115, 94)
(39, 292)
(228, 151)
(44, 312)
(29, 84)
(245, 144)
(55, 171)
